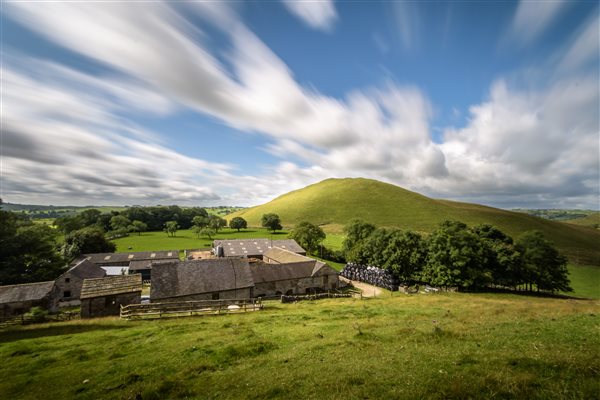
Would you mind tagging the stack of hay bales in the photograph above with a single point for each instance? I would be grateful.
(371, 275)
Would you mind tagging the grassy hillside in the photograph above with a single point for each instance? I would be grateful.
(334, 202)
(591, 220)
(446, 346)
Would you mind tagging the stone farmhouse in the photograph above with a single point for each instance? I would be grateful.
(69, 284)
(209, 279)
(253, 248)
(104, 296)
(135, 262)
(18, 299)
(285, 272)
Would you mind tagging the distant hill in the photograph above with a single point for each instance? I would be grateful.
(591, 220)
(333, 202)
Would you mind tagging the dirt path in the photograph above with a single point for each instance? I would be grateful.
(367, 290)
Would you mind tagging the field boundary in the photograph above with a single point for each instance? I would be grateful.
(189, 308)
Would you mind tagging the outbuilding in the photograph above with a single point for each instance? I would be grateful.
(208, 279)
(69, 284)
(253, 248)
(105, 296)
(18, 299)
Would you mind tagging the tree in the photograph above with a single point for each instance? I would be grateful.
(216, 222)
(89, 217)
(356, 231)
(138, 226)
(119, 222)
(271, 222)
(404, 255)
(308, 236)
(86, 241)
(171, 228)
(208, 232)
(500, 256)
(28, 252)
(200, 221)
(238, 223)
(544, 266)
(455, 257)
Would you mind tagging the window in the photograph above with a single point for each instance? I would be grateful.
(215, 296)
(67, 293)
(67, 280)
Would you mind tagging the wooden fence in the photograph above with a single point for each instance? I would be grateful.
(188, 308)
(25, 319)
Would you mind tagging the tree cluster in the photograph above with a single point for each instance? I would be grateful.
(28, 252)
(458, 256)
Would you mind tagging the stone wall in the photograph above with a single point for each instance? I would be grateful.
(313, 284)
(239, 294)
(108, 305)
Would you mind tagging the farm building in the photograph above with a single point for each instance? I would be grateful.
(254, 248)
(212, 279)
(285, 272)
(18, 299)
(104, 296)
(136, 262)
(69, 284)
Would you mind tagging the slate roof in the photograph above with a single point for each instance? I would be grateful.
(281, 256)
(25, 292)
(111, 285)
(104, 259)
(255, 247)
(85, 269)
(265, 272)
(174, 279)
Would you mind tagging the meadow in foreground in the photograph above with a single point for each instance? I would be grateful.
(422, 346)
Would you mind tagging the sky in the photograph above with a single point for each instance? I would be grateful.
(234, 103)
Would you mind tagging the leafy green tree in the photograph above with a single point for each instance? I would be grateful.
(271, 221)
(200, 221)
(68, 224)
(404, 255)
(544, 266)
(369, 250)
(500, 256)
(86, 241)
(119, 222)
(208, 232)
(216, 222)
(28, 252)
(89, 217)
(238, 223)
(308, 235)
(171, 228)
(454, 258)
(138, 226)
(356, 231)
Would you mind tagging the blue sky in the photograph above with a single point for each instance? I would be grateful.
(205, 103)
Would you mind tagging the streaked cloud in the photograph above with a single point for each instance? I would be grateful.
(532, 18)
(317, 14)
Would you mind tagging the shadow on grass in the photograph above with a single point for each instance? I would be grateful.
(32, 332)
(528, 293)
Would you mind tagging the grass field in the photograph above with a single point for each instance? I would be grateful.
(334, 202)
(445, 346)
(585, 280)
(186, 239)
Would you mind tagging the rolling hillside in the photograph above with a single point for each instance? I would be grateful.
(333, 202)
(591, 221)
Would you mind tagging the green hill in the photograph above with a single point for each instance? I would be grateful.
(591, 220)
(333, 202)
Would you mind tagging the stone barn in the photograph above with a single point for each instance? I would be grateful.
(209, 279)
(105, 296)
(289, 273)
(18, 299)
(69, 284)
(253, 248)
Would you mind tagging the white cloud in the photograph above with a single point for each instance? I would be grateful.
(585, 48)
(318, 14)
(532, 18)
(528, 144)
(407, 22)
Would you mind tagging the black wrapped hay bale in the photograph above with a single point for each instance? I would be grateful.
(371, 275)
